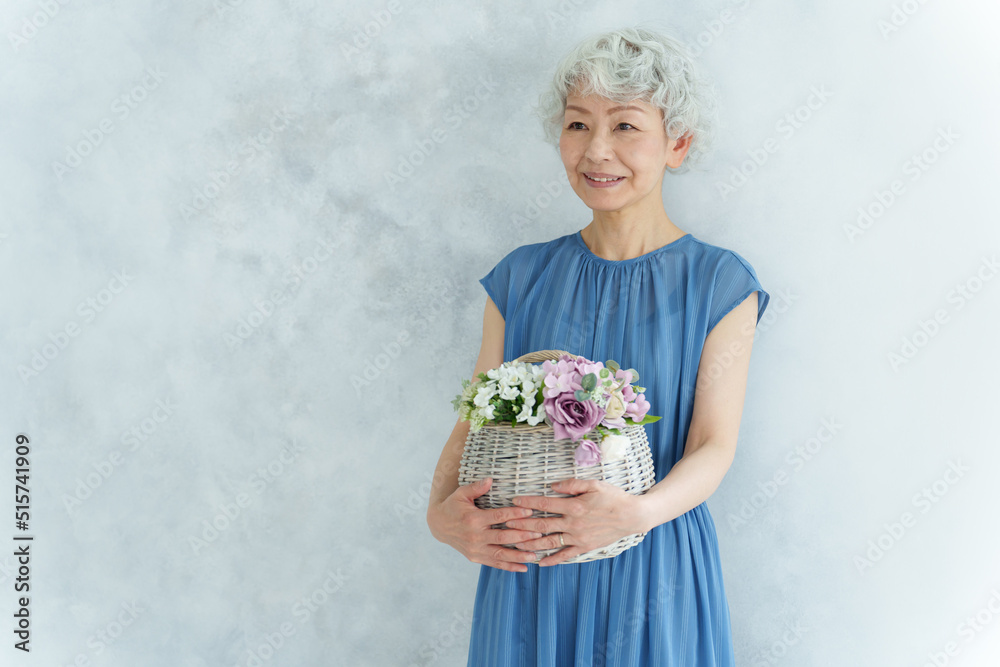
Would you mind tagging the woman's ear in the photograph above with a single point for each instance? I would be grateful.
(677, 149)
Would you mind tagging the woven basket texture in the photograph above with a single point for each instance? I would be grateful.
(524, 461)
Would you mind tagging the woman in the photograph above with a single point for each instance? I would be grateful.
(631, 286)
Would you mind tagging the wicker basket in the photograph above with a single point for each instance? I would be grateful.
(524, 461)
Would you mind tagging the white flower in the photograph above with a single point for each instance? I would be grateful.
(484, 395)
(511, 374)
(510, 383)
(510, 392)
(538, 417)
(613, 447)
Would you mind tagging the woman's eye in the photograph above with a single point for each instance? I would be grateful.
(622, 125)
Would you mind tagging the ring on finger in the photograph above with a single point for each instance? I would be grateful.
(561, 542)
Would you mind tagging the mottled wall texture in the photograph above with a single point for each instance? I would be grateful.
(239, 255)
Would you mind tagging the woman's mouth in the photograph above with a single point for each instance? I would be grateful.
(602, 180)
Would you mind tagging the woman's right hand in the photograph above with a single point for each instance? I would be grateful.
(457, 522)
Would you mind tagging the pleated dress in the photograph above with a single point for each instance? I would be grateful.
(661, 602)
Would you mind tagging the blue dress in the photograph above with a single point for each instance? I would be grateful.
(661, 602)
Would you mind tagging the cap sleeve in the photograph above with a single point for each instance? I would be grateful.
(497, 284)
(734, 281)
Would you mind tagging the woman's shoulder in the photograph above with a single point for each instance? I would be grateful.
(715, 256)
(539, 251)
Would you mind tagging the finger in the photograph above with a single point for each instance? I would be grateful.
(574, 486)
(510, 567)
(490, 517)
(476, 489)
(496, 553)
(547, 503)
(510, 536)
(561, 555)
(544, 525)
(544, 542)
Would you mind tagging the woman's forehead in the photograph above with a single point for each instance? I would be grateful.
(595, 102)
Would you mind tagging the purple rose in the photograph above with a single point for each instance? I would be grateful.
(587, 454)
(571, 418)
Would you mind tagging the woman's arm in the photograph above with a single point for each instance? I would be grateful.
(598, 513)
(715, 423)
(490, 356)
(452, 515)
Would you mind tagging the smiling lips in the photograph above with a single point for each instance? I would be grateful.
(603, 178)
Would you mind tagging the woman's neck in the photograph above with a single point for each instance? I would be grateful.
(615, 238)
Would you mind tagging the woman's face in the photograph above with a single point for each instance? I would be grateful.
(600, 139)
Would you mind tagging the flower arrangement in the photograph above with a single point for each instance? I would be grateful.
(584, 401)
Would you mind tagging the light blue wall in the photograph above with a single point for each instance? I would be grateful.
(201, 257)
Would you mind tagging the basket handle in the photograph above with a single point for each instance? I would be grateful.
(543, 355)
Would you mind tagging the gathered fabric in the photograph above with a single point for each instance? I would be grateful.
(663, 601)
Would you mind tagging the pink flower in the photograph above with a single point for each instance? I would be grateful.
(628, 393)
(571, 418)
(575, 367)
(585, 366)
(618, 422)
(587, 454)
(556, 384)
(637, 410)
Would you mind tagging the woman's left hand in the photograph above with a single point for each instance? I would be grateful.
(598, 515)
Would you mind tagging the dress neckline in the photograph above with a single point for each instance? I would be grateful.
(624, 262)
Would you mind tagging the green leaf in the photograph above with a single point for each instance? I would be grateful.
(605, 373)
(588, 382)
(635, 375)
(612, 364)
(649, 419)
(581, 395)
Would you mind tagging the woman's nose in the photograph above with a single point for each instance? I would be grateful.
(598, 147)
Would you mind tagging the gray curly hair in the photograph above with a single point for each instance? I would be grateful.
(636, 63)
